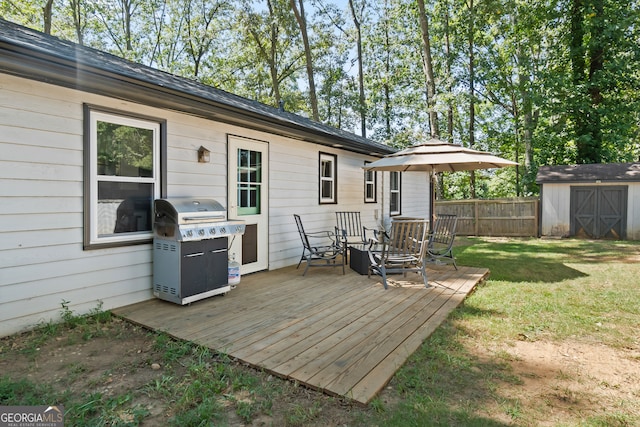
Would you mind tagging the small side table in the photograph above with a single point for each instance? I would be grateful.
(359, 258)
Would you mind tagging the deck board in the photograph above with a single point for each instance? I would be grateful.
(343, 334)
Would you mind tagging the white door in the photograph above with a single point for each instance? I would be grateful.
(249, 201)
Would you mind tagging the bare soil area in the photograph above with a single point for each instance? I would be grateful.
(559, 384)
(563, 383)
(124, 360)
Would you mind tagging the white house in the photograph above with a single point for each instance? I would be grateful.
(68, 113)
(592, 200)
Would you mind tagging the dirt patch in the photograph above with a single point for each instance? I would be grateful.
(568, 381)
(552, 383)
(122, 359)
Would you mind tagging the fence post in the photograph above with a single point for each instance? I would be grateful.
(476, 217)
(536, 222)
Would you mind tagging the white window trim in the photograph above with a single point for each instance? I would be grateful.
(398, 191)
(333, 159)
(155, 126)
(373, 183)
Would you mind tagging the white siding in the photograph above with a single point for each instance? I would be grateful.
(633, 211)
(42, 261)
(293, 186)
(415, 194)
(555, 210)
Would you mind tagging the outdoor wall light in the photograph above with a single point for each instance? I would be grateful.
(204, 155)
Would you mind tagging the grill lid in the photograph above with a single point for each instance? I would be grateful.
(181, 210)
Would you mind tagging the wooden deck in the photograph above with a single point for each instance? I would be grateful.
(344, 335)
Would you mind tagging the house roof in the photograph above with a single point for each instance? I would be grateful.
(603, 172)
(32, 54)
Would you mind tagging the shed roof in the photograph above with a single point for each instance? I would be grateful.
(604, 172)
(32, 54)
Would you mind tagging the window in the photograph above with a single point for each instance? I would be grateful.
(370, 184)
(328, 178)
(122, 177)
(395, 193)
(249, 181)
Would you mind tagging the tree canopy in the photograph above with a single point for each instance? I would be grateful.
(536, 81)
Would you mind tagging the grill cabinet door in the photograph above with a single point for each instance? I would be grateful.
(204, 266)
(217, 260)
(194, 269)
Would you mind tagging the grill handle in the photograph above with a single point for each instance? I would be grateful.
(189, 218)
(194, 255)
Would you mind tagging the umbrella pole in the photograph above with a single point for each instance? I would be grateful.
(432, 200)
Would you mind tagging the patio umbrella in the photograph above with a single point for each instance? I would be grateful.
(438, 156)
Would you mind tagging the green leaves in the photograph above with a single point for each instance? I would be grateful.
(553, 82)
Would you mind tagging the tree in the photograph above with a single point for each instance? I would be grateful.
(268, 35)
(298, 10)
(362, 107)
(47, 16)
(428, 70)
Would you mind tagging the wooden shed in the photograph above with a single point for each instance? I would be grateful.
(598, 201)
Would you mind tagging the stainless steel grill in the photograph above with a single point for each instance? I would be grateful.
(186, 220)
(190, 243)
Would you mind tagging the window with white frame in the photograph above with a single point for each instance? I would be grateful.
(328, 178)
(122, 177)
(395, 199)
(370, 182)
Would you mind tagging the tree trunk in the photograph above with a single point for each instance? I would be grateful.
(472, 94)
(302, 23)
(128, 10)
(585, 109)
(273, 55)
(387, 86)
(428, 70)
(361, 99)
(596, 65)
(76, 10)
(46, 10)
(449, 60)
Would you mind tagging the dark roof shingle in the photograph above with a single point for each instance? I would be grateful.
(607, 172)
(32, 54)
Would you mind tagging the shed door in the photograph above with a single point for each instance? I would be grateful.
(599, 212)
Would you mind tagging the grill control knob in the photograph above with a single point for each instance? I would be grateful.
(201, 232)
(212, 230)
(223, 230)
(190, 233)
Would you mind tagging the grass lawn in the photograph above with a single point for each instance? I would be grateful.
(550, 339)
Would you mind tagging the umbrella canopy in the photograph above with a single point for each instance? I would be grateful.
(437, 156)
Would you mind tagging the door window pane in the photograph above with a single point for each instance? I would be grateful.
(249, 182)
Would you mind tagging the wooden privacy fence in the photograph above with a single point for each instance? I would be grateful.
(516, 217)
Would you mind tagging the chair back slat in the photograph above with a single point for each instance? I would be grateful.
(403, 251)
(350, 225)
(444, 228)
(441, 240)
(408, 238)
